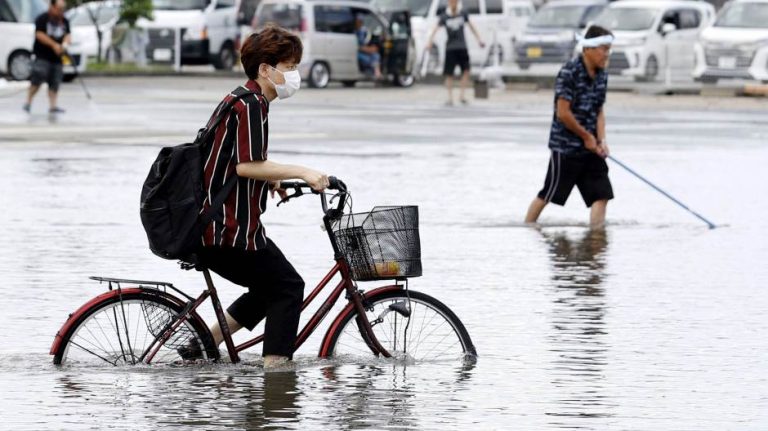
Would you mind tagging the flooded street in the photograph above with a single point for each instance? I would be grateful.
(656, 323)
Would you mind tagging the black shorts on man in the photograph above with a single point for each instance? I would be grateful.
(48, 72)
(454, 58)
(588, 172)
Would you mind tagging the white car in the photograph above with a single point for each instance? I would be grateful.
(83, 22)
(654, 35)
(736, 45)
(208, 28)
(17, 27)
(499, 22)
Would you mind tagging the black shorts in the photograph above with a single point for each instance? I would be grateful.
(453, 58)
(45, 71)
(587, 172)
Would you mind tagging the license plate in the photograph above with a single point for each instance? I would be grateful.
(162, 54)
(726, 62)
(533, 52)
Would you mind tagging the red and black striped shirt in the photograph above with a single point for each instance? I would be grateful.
(240, 137)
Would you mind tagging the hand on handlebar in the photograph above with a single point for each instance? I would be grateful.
(276, 188)
(318, 181)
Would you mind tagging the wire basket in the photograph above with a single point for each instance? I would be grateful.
(381, 244)
(159, 319)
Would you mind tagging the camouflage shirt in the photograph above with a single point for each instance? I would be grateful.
(587, 96)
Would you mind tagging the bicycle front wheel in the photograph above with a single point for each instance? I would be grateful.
(410, 325)
(126, 329)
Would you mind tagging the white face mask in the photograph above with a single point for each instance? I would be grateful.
(291, 86)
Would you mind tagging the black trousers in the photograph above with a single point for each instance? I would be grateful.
(275, 291)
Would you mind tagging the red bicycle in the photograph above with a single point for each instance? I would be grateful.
(143, 322)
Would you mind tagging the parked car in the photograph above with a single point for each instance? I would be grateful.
(550, 36)
(736, 46)
(17, 27)
(327, 30)
(497, 22)
(208, 29)
(653, 35)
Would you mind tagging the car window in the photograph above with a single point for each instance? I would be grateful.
(557, 17)
(27, 10)
(334, 19)
(627, 18)
(370, 22)
(689, 18)
(225, 3)
(743, 15)
(286, 15)
(79, 16)
(590, 14)
(471, 7)
(180, 4)
(6, 14)
(493, 6)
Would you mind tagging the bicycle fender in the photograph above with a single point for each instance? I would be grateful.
(325, 345)
(99, 300)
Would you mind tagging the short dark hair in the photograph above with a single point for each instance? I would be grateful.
(271, 46)
(596, 31)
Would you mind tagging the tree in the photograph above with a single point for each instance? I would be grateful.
(132, 10)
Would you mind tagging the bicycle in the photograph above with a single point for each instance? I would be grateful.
(147, 324)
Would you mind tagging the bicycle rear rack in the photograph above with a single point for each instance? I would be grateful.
(159, 285)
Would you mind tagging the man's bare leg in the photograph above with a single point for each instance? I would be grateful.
(218, 336)
(53, 97)
(31, 95)
(597, 214)
(449, 86)
(534, 210)
(464, 85)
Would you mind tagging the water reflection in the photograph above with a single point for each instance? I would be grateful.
(578, 339)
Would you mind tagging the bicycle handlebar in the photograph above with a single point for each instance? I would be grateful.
(299, 188)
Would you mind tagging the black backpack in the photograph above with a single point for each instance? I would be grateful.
(173, 195)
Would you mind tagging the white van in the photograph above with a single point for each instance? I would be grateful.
(208, 27)
(736, 46)
(498, 22)
(654, 35)
(17, 27)
(327, 31)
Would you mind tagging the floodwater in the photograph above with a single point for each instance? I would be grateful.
(655, 323)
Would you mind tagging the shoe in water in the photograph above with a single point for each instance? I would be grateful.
(190, 352)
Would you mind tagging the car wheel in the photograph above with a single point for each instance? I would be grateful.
(319, 75)
(404, 81)
(225, 60)
(349, 84)
(20, 65)
(651, 70)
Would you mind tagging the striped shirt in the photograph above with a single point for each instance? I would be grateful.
(587, 96)
(241, 137)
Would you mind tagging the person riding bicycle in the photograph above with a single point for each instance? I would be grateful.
(238, 249)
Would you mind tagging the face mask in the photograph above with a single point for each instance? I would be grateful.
(291, 86)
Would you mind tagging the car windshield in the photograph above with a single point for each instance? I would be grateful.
(79, 16)
(744, 15)
(416, 7)
(180, 4)
(558, 17)
(627, 19)
(285, 15)
(28, 10)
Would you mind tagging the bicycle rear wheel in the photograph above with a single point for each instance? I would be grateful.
(410, 325)
(123, 329)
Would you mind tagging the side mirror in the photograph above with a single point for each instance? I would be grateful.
(667, 28)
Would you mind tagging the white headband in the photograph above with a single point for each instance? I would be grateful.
(596, 41)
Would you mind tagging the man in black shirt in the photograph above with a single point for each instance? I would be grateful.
(456, 52)
(51, 38)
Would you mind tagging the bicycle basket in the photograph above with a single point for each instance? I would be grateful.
(381, 244)
(159, 319)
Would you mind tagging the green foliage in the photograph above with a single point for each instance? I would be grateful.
(132, 10)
